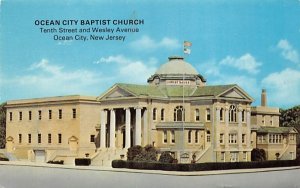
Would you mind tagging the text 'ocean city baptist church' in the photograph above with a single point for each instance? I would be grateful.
(176, 112)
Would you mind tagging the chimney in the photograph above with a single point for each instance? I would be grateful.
(263, 97)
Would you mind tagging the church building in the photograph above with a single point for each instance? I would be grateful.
(176, 112)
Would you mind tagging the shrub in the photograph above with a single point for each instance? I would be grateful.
(118, 164)
(82, 161)
(166, 157)
(56, 162)
(258, 154)
(4, 159)
(133, 152)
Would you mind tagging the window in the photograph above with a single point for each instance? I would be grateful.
(162, 114)
(263, 120)
(196, 136)
(50, 114)
(232, 138)
(92, 139)
(275, 138)
(60, 114)
(233, 156)
(29, 138)
(221, 114)
(223, 156)
(245, 156)
(20, 138)
(173, 136)
(165, 138)
(10, 116)
(271, 121)
(40, 114)
(197, 115)
(49, 139)
(179, 114)
(207, 114)
(208, 136)
(243, 138)
(243, 115)
(154, 114)
(59, 138)
(20, 116)
(232, 113)
(29, 115)
(222, 138)
(74, 113)
(292, 137)
(190, 137)
(39, 138)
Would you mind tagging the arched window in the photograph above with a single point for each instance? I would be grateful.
(232, 113)
(162, 114)
(221, 114)
(179, 114)
(197, 115)
(154, 114)
(207, 114)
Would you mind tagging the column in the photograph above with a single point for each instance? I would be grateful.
(248, 128)
(145, 130)
(127, 129)
(218, 126)
(112, 130)
(138, 126)
(226, 140)
(102, 129)
(240, 127)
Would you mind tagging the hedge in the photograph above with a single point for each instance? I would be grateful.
(82, 161)
(4, 159)
(56, 162)
(202, 166)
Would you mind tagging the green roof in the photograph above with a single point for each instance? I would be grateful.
(276, 130)
(174, 91)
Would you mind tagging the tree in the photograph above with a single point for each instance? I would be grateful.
(258, 154)
(166, 157)
(133, 151)
(138, 153)
(2, 125)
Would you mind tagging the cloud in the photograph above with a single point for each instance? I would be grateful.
(287, 51)
(147, 43)
(65, 42)
(130, 70)
(246, 62)
(46, 79)
(283, 87)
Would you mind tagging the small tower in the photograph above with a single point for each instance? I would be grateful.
(263, 97)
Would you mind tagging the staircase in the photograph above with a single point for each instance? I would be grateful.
(104, 157)
(202, 154)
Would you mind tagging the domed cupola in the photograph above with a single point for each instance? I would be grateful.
(176, 72)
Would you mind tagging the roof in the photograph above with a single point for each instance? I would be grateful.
(170, 91)
(176, 65)
(277, 130)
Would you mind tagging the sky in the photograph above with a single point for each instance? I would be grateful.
(254, 44)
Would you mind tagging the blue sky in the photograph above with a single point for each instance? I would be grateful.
(255, 44)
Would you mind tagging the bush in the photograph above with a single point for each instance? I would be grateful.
(202, 166)
(166, 157)
(4, 159)
(133, 152)
(56, 162)
(82, 161)
(258, 154)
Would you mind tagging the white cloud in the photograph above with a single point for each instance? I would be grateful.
(283, 87)
(287, 51)
(65, 42)
(245, 62)
(47, 79)
(147, 43)
(129, 70)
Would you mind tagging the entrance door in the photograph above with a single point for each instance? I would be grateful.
(40, 156)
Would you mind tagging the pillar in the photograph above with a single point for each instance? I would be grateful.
(226, 140)
(218, 126)
(240, 127)
(102, 129)
(248, 128)
(112, 130)
(138, 126)
(127, 129)
(145, 130)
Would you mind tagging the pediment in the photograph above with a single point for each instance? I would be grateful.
(235, 93)
(118, 93)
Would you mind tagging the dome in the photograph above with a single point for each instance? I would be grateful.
(176, 65)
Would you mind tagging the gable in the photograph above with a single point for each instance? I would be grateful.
(235, 93)
(117, 93)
